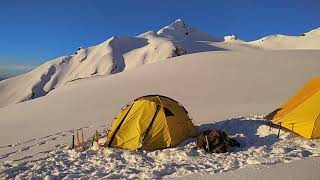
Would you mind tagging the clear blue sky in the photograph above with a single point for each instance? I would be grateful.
(34, 31)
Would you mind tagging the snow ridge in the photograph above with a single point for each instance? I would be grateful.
(115, 55)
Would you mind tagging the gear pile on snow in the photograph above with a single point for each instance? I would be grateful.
(215, 141)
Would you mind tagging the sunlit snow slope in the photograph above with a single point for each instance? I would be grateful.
(115, 55)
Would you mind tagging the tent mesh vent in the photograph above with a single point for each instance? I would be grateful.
(167, 112)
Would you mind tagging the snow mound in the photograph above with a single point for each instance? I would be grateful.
(259, 146)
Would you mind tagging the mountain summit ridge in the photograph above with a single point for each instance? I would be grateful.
(120, 53)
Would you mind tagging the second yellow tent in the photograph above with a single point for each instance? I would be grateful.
(301, 113)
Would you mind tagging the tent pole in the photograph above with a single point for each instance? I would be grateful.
(114, 134)
(152, 120)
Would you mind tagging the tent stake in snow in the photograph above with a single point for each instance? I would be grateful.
(78, 140)
(208, 147)
(73, 141)
(97, 136)
(270, 126)
(93, 137)
(82, 138)
(279, 130)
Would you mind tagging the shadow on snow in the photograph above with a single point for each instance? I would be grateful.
(244, 131)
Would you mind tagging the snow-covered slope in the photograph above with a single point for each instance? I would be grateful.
(215, 87)
(211, 85)
(308, 40)
(112, 56)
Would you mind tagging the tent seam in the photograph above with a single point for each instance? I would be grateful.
(119, 126)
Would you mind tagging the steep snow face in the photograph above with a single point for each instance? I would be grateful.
(113, 56)
(188, 38)
(179, 31)
(157, 48)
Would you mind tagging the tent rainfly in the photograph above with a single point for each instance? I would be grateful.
(301, 112)
(149, 123)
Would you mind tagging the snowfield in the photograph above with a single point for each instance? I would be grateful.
(259, 146)
(230, 84)
(224, 83)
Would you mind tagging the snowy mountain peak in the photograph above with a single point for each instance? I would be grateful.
(176, 30)
(179, 30)
(230, 38)
(178, 21)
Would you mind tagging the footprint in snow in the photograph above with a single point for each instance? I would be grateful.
(25, 148)
(23, 158)
(27, 141)
(8, 154)
(42, 143)
(46, 137)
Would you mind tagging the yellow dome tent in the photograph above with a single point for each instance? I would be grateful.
(150, 123)
(301, 113)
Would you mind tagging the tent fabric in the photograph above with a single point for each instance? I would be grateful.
(301, 112)
(149, 123)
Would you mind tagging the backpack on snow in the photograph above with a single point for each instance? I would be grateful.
(215, 141)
